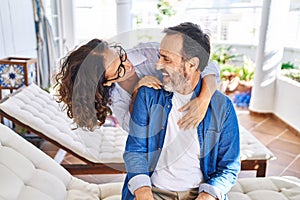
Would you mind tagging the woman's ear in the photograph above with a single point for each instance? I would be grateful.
(108, 84)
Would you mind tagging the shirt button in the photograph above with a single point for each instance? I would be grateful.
(158, 148)
(163, 128)
(168, 106)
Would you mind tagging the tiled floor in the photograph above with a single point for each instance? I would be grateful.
(274, 134)
(269, 130)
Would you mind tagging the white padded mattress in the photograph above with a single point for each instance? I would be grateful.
(36, 108)
(252, 148)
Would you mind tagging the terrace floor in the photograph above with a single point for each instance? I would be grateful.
(276, 135)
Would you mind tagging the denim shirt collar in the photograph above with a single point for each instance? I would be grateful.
(198, 88)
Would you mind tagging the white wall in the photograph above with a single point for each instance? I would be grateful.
(17, 30)
(287, 98)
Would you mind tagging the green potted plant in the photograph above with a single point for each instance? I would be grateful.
(291, 71)
(164, 8)
(233, 77)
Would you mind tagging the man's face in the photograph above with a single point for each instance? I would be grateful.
(172, 64)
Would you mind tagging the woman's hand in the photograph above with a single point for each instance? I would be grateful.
(196, 110)
(149, 81)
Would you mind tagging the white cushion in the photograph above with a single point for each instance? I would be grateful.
(38, 109)
(28, 173)
(111, 191)
(273, 188)
(252, 148)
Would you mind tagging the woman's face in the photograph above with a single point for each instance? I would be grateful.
(118, 67)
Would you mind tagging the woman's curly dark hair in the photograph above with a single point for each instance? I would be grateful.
(79, 85)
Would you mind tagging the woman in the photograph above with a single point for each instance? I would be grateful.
(98, 79)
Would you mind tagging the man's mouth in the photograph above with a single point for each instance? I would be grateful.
(166, 77)
(165, 73)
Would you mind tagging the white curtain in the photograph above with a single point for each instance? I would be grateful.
(45, 45)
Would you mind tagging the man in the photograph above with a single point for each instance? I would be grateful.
(164, 161)
(143, 58)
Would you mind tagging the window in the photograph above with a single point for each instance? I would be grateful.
(292, 32)
(53, 13)
(234, 22)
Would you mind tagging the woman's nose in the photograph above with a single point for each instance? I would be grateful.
(159, 66)
(127, 63)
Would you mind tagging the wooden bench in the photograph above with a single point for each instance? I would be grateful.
(254, 155)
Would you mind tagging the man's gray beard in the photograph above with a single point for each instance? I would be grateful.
(177, 85)
(168, 87)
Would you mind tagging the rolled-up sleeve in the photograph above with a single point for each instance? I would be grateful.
(212, 68)
(212, 190)
(138, 181)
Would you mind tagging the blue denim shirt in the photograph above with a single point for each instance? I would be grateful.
(218, 136)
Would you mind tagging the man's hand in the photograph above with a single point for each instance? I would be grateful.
(205, 196)
(143, 193)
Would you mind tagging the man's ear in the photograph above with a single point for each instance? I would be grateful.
(193, 63)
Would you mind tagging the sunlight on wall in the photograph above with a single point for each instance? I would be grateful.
(94, 19)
